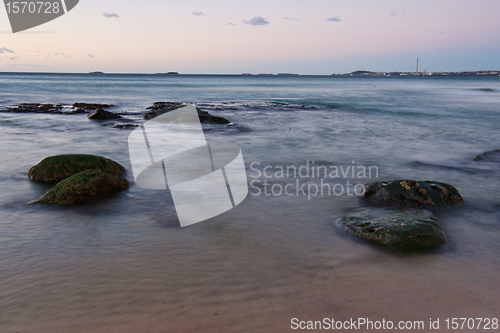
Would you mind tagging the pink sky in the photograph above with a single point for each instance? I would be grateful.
(305, 37)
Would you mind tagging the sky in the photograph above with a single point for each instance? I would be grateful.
(258, 36)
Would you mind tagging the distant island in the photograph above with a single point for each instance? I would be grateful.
(168, 73)
(424, 73)
(97, 72)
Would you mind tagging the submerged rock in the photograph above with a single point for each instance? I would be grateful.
(411, 193)
(408, 229)
(119, 125)
(493, 156)
(84, 187)
(101, 114)
(59, 167)
(159, 108)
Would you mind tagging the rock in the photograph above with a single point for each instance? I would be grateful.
(150, 115)
(411, 193)
(84, 187)
(34, 108)
(159, 108)
(91, 106)
(408, 229)
(100, 114)
(59, 167)
(54, 108)
(493, 156)
(207, 118)
(164, 107)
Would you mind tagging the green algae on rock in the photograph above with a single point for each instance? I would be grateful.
(398, 229)
(411, 193)
(84, 187)
(59, 167)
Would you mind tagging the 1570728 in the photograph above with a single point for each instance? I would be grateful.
(472, 323)
(21, 7)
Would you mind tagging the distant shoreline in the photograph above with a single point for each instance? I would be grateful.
(360, 73)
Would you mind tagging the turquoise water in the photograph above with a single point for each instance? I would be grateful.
(124, 264)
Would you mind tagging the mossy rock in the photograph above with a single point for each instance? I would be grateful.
(408, 229)
(411, 193)
(84, 187)
(59, 167)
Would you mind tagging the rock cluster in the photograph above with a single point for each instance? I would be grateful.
(81, 178)
(97, 111)
(34, 108)
(400, 221)
(159, 108)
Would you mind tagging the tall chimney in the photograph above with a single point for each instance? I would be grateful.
(416, 72)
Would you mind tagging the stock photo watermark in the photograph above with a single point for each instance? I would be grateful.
(171, 152)
(25, 15)
(310, 180)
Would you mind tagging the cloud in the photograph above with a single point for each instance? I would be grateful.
(197, 13)
(111, 15)
(61, 54)
(396, 13)
(292, 19)
(12, 58)
(256, 21)
(90, 55)
(334, 19)
(4, 49)
(231, 23)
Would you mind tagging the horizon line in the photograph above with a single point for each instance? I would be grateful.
(381, 73)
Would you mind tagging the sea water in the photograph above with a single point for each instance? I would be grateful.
(124, 264)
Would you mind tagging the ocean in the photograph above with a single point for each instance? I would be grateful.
(125, 265)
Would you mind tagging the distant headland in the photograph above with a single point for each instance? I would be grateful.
(424, 73)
